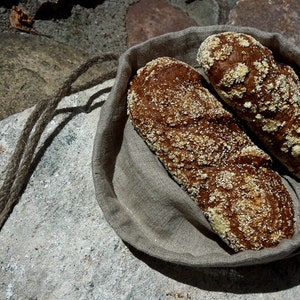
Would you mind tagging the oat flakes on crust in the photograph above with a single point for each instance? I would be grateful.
(262, 91)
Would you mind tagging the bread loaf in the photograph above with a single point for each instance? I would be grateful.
(207, 153)
(262, 91)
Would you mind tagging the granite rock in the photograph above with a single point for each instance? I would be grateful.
(91, 26)
(225, 7)
(282, 16)
(205, 12)
(34, 67)
(148, 19)
(95, 26)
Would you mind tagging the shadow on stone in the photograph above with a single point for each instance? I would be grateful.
(9, 3)
(268, 278)
(70, 113)
(62, 9)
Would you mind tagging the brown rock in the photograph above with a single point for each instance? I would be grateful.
(282, 16)
(34, 67)
(147, 19)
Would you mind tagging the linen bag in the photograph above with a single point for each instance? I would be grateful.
(144, 206)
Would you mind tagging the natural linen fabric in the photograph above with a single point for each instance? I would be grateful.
(145, 207)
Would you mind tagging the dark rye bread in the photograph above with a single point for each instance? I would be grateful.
(208, 154)
(263, 92)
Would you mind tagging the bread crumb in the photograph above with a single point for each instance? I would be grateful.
(235, 75)
(247, 104)
(243, 42)
(271, 125)
(220, 225)
(262, 67)
(224, 180)
(234, 93)
(209, 51)
(296, 150)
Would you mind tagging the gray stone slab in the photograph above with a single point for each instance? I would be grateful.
(58, 245)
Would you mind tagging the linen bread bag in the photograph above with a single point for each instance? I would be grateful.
(208, 154)
(143, 204)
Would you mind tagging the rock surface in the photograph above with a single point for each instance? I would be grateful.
(91, 26)
(57, 244)
(34, 67)
(95, 26)
(282, 16)
(157, 18)
(145, 20)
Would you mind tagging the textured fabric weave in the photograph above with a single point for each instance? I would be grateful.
(145, 207)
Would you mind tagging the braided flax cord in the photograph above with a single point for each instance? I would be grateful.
(19, 166)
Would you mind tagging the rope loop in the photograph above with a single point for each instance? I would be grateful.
(21, 161)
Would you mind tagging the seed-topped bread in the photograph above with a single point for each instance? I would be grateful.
(263, 92)
(208, 154)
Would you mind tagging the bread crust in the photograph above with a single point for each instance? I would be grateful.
(262, 91)
(205, 150)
